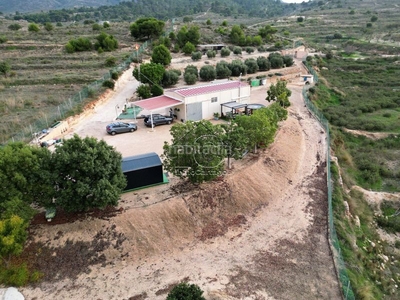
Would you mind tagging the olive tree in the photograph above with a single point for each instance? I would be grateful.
(207, 73)
(161, 55)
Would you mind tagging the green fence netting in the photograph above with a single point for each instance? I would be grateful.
(335, 246)
(73, 104)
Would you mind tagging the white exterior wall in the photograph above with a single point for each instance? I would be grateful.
(209, 108)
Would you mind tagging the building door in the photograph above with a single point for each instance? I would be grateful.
(194, 111)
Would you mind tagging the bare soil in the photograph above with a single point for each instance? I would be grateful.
(259, 232)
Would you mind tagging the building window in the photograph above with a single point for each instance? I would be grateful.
(214, 99)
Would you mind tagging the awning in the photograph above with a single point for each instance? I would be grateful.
(157, 103)
(234, 105)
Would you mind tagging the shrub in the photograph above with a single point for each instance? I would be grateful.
(300, 19)
(208, 73)
(211, 53)
(237, 50)
(185, 291)
(225, 52)
(263, 63)
(237, 67)
(15, 27)
(249, 50)
(48, 26)
(143, 91)
(222, 70)
(252, 66)
(15, 275)
(33, 27)
(170, 78)
(192, 69)
(109, 84)
(261, 49)
(196, 55)
(115, 75)
(106, 42)
(156, 90)
(96, 27)
(189, 48)
(190, 78)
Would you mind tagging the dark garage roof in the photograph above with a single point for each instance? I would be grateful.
(142, 161)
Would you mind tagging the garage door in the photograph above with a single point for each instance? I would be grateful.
(194, 111)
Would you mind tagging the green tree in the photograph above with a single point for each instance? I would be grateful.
(374, 18)
(12, 237)
(207, 73)
(260, 127)
(193, 35)
(208, 22)
(279, 93)
(257, 41)
(106, 42)
(4, 68)
(225, 52)
(300, 19)
(235, 141)
(185, 291)
(222, 69)
(267, 32)
(106, 25)
(196, 55)
(238, 67)
(78, 45)
(263, 63)
(150, 73)
(190, 78)
(161, 55)
(87, 174)
(33, 27)
(143, 91)
(191, 69)
(276, 60)
(288, 61)
(236, 34)
(188, 48)
(156, 90)
(237, 50)
(211, 53)
(48, 26)
(196, 151)
(26, 174)
(146, 28)
(170, 78)
(252, 66)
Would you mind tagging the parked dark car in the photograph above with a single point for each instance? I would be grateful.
(120, 127)
(157, 120)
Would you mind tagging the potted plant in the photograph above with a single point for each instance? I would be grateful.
(216, 115)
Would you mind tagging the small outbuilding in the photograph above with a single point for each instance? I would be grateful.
(142, 170)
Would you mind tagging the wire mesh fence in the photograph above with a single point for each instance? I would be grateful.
(344, 280)
(74, 104)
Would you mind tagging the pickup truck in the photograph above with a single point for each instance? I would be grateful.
(157, 120)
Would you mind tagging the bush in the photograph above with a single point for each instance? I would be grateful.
(15, 27)
(249, 50)
(33, 27)
(225, 52)
(106, 42)
(78, 45)
(15, 275)
(208, 73)
(263, 63)
(109, 84)
(237, 68)
(185, 291)
(192, 70)
(143, 91)
(237, 50)
(115, 75)
(189, 48)
(190, 78)
(222, 70)
(196, 55)
(96, 27)
(211, 53)
(170, 78)
(156, 90)
(252, 66)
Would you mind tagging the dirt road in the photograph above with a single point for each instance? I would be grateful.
(259, 233)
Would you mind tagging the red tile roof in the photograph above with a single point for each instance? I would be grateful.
(209, 88)
(157, 103)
